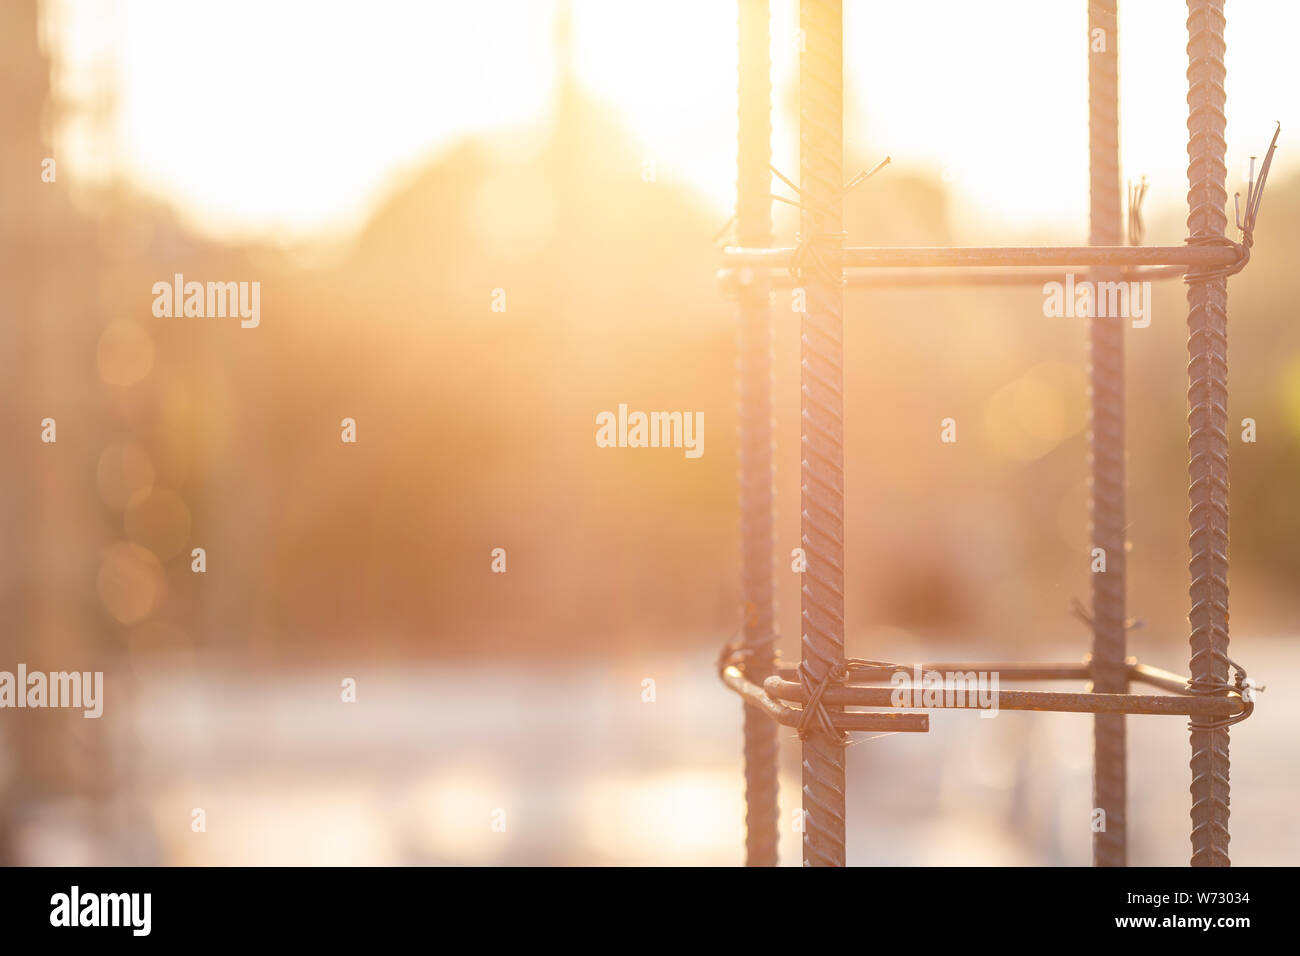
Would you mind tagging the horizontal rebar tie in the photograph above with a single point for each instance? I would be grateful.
(777, 692)
(1083, 703)
(1220, 255)
(930, 277)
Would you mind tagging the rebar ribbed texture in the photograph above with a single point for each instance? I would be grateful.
(822, 421)
(1106, 439)
(1207, 397)
(754, 227)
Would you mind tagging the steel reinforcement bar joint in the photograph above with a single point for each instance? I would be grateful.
(763, 703)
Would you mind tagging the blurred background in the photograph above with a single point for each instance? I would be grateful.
(381, 170)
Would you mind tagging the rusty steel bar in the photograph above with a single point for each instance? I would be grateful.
(773, 710)
(754, 345)
(1201, 256)
(1207, 397)
(731, 279)
(1012, 671)
(1156, 677)
(821, 181)
(1082, 703)
(1106, 442)
(1015, 670)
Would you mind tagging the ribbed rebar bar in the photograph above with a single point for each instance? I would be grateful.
(1106, 439)
(1207, 398)
(754, 227)
(821, 76)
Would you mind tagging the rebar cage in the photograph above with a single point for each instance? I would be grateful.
(816, 697)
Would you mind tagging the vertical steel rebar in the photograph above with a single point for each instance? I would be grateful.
(821, 134)
(1106, 439)
(754, 227)
(1207, 396)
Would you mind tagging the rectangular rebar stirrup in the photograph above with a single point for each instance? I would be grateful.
(1106, 441)
(821, 160)
(1015, 670)
(1207, 397)
(1006, 671)
(978, 257)
(1082, 703)
(754, 344)
(921, 277)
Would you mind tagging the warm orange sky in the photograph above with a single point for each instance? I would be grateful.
(279, 118)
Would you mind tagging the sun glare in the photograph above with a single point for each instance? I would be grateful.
(290, 120)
